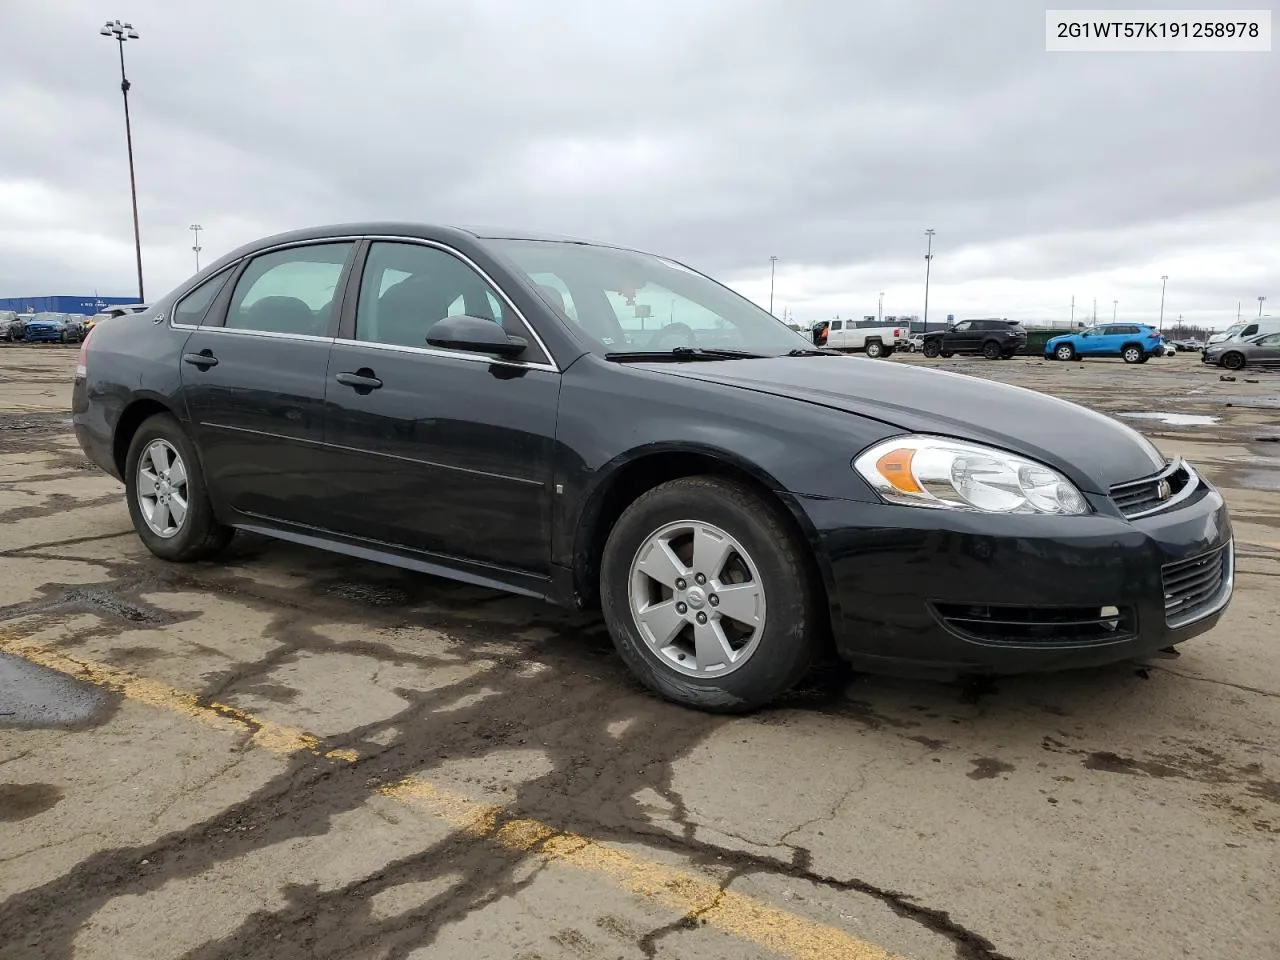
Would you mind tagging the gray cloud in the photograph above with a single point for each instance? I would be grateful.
(718, 132)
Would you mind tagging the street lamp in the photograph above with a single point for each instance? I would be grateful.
(1163, 281)
(1115, 305)
(120, 32)
(1260, 299)
(773, 268)
(196, 228)
(1073, 311)
(880, 308)
(928, 263)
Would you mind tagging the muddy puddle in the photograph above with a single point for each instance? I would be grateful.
(34, 696)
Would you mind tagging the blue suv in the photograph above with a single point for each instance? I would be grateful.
(1132, 342)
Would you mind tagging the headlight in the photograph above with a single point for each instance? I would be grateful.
(941, 473)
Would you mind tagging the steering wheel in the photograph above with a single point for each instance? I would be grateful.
(681, 330)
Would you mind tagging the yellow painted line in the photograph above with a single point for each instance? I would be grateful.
(785, 933)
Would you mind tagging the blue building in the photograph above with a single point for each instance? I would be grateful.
(62, 304)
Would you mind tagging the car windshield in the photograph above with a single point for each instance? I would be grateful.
(630, 302)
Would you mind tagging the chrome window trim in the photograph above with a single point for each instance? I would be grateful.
(447, 354)
(425, 351)
(550, 364)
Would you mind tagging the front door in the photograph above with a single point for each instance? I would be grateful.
(253, 377)
(1267, 351)
(440, 451)
(963, 338)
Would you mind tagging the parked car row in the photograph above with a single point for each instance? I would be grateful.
(48, 327)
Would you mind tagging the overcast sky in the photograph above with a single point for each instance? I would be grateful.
(720, 132)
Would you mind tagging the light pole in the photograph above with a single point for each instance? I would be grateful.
(773, 267)
(1238, 305)
(1260, 299)
(1095, 311)
(928, 263)
(120, 32)
(196, 228)
(1073, 311)
(880, 308)
(1115, 306)
(1163, 281)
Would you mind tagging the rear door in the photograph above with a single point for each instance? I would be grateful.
(443, 451)
(253, 376)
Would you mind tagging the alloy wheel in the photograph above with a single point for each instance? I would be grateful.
(697, 599)
(161, 488)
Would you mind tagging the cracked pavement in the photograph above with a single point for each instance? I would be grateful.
(291, 754)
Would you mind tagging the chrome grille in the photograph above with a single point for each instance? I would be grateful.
(1195, 587)
(1138, 498)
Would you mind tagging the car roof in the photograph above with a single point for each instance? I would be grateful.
(427, 231)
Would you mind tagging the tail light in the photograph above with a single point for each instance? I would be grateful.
(1154, 335)
(82, 361)
(896, 333)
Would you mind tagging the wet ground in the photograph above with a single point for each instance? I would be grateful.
(290, 754)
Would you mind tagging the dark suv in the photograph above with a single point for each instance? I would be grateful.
(994, 339)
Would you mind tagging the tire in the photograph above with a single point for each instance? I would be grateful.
(1065, 352)
(991, 350)
(931, 348)
(198, 535)
(773, 656)
(1234, 360)
(1132, 353)
(875, 349)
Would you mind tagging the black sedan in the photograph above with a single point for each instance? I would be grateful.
(593, 425)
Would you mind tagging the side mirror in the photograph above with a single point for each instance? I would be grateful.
(475, 334)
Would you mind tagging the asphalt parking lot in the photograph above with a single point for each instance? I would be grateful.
(292, 754)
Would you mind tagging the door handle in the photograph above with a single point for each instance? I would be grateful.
(204, 359)
(362, 381)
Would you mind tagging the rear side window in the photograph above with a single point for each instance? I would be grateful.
(190, 310)
(289, 291)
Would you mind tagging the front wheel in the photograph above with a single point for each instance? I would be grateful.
(167, 499)
(1132, 354)
(1233, 360)
(1064, 351)
(931, 348)
(707, 595)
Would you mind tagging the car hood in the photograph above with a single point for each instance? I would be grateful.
(1093, 450)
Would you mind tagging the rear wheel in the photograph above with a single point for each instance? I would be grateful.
(1132, 354)
(875, 349)
(167, 499)
(1064, 351)
(707, 595)
(1233, 360)
(991, 350)
(931, 348)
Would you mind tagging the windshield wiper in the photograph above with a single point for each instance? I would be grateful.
(681, 355)
(813, 352)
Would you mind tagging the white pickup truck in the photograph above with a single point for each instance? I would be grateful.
(875, 341)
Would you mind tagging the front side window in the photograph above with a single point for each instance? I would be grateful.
(627, 301)
(289, 291)
(1270, 341)
(837, 324)
(190, 310)
(963, 326)
(408, 287)
(1249, 331)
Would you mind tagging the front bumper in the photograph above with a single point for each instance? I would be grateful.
(907, 585)
(43, 336)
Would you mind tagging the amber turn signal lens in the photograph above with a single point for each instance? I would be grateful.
(895, 466)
